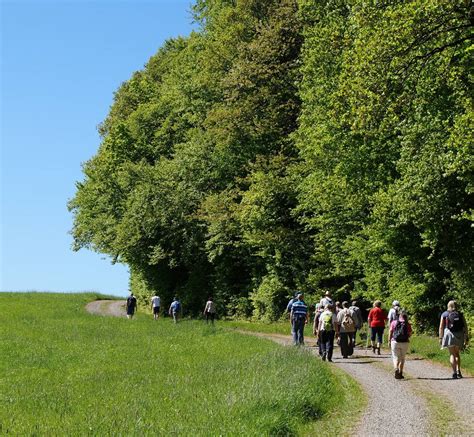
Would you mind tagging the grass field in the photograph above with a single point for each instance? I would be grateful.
(66, 372)
(422, 345)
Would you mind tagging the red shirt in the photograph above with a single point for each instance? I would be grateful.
(377, 318)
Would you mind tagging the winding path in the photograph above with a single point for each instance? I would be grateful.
(395, 407)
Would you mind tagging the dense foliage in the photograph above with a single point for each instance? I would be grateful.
(290, 145)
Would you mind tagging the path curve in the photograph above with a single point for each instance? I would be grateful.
(399, 407)
(394, 407)
(114, 308)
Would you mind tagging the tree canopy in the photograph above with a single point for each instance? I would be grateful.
(293, 145)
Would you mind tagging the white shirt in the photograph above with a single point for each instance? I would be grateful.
(155, 301)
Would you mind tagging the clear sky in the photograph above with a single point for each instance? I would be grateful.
(61, 62)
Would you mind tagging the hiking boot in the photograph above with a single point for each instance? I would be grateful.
(324, 357)
(459, 375)
(373, 349)
(378, 351)
(455, 376)
(397, 374)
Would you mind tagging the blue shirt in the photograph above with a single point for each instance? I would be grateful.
(290, 304)
(299, 308)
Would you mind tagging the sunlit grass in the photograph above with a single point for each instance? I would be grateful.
(66, 372)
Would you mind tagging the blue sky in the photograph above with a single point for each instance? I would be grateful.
(61, 62)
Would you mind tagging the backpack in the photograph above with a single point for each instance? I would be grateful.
(454, 321)
(327, 321)
(176, 306)
(348, 323)
(400, 333)
(131, 301)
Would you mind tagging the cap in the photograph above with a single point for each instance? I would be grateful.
(395, 303)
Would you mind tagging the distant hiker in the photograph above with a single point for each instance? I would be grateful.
(299, 318)
(155, 306)
(131, 305)
(210, 310)
(317, 315)
(394, 312)
(175, 309)
(357, 316)
(328, 328)
(454, 335)
(347, 327)
(288, 310)
(376, 321)
(326, 300)
(338, 307)
(398, 338)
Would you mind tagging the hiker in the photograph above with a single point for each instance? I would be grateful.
(299, 318)
(398, 338)
(454, 335)
(175, 309)
(394, 312)
(357, 316)
(346, 323)
(338, 307)
(288, 310)
(131, 305)
(317, 315)
(376, 320)
(328, 328)
(155, 306)
(210, 310)
(326, 300)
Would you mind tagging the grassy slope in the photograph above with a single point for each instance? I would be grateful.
(63, 371)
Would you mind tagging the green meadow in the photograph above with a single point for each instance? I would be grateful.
(66, 372)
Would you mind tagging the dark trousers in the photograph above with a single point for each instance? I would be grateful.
(298, 330)
(210, 316)
(327, 343)
(347, 348)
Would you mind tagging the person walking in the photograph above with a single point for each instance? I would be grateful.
(299, 318)
(317, 315)
(376, 320)
(155, 306)
(131, 306)
(398, 338)
(328, 328)
(453, 335)
(359, 322)
(288, 310)
(326, 300)
(210, 310)
(393, 312)
(346, 324)
(175, 309)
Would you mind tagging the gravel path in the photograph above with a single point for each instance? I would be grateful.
(399, 407)
(107, 308)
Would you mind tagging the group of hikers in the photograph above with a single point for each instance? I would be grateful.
(174, 310)
(341, 322)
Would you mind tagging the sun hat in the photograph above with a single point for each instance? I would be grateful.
(395, 303)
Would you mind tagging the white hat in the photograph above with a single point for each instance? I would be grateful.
(395, 303)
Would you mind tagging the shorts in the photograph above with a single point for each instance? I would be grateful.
(452, 339)
(156, 310)
(399, 350)
(130, 311)
(377, 331)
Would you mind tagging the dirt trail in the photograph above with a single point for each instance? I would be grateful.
(399, 407)
(395, 407)
(107, 308)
